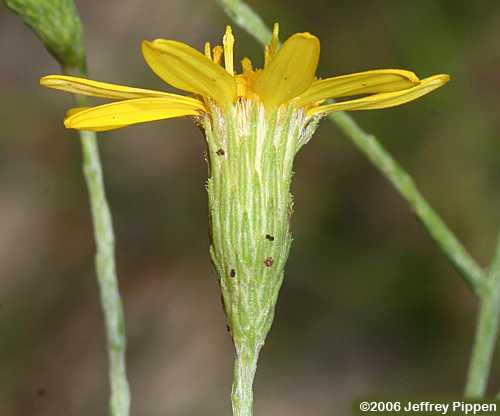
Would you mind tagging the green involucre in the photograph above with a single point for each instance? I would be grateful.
(250, 155)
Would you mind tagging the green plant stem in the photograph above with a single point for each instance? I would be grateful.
(486, 333)
(111, 303)
(106, 276)
(245, 17)
(442, 235)
(472, 273)
(245, 366)
(57, 24)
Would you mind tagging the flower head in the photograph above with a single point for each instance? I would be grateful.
(288, 78)
(255, 122)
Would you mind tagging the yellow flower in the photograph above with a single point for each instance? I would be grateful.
(288, 78)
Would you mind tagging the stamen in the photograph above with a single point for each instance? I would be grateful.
(267, 59)
(228, 42)
(271, 49)
(217, 54)
(275, 40)
(208, 50)
(246, 65)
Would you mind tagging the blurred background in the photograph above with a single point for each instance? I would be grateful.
(369, 307)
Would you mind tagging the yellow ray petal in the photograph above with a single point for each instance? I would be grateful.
(85, 86)
(385, 100)
(291, 71)
(367, 82)
(187, 69)
(74, 110)
(105, 128)
(124, 113)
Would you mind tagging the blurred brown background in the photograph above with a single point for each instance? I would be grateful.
(369, 306)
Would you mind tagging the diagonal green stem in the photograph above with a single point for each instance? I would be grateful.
(472, 273)
(402, 181)
(244, 16)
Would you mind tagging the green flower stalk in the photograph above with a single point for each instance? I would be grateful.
(254, 122)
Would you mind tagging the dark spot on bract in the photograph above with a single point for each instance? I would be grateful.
(269, 237)
(41, 392)
(269, 262)
(220, 152)
(228, 328)
(232, 273)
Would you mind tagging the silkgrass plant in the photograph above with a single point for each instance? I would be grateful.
(254, 121)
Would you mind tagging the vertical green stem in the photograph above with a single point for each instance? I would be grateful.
(57, 24)
(486, 333)
(106, 275)
(245, 366)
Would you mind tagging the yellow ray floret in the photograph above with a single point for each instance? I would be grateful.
(291, 71)
(124, 113)
(387, 99)
(74, 110)
(367, 82)
(185, 68)
(83, 86)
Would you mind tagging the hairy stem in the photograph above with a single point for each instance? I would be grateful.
(245, 366)
(57, 24)
(106, 276)
(107, 280)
